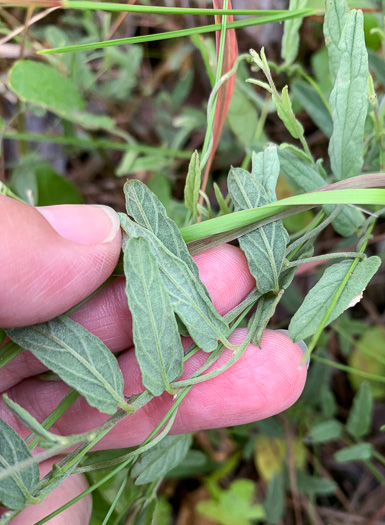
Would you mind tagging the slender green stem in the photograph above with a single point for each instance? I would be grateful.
(349, 369)
(115, 501)
(326, 257)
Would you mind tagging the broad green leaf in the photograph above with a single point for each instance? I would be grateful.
(313, 485)
(275, 499)
(265, 168)
(265, 311)
(234, 505)
(301, 174)
(158, 347)
(325, 431)
(43, 85)
(147, 210)
(290, 38)
(78, 357)
(349, 100)
(242, 116)
(264, 247)
(360, 415)
(156, 462)
(286, 113)
(15, 490)
(315, 305)
(336, 14)
(188, 295)
(193, 184)
(359, 452)
(34, 179)
(310, 100)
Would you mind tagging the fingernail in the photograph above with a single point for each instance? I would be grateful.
(301, 344)
(84, 224)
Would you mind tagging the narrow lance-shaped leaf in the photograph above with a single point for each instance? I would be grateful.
(349, 100)
(300, 173)
(308, 317)
(78, 357)
(264, 247)
(164, 456)
(359, 452)
(147, 210)
(290, 38)
(336, 12)
(188, 297)
(15, 490)
(158, 347)
(265, 311)
(360, 415)
(193, 183)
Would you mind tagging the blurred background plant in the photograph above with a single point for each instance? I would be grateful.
(76, 125)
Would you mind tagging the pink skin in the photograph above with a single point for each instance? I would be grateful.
(65, 262)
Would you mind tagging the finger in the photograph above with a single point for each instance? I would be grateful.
(262, 383)
(223, 270)
(52, 258)
(77, 514)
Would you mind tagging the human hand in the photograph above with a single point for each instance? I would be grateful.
(53, 258)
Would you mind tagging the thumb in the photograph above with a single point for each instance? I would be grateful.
(53, 257)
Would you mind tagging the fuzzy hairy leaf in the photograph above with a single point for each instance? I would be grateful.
(147, 210)
(14, 490)
(286, 114)
(336, 13)
(301, 174)
(265, 167)
(265, 311)
(315, 305)
(193, 184)
(164, 456)
(290, 38)
(349, 100)
(78, 357)
(264, 247)
(158, 347)
(188, 297)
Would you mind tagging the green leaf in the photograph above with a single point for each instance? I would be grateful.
(265, 311)
(265, 247)
(220, 199)
(193, 184)
(265, 168)
(360, 415)
(147, 210)
(78, 357)
(242, 116)
(158, 347)
(310, 100)
(313, 486)
(290, 38)
(275, 499)
(307, 318)
(349, 100)
(156, 462)
(44, 86)
(286, 113)
(147, 514)
(234, 505)
(188, 295)
(301, 174)
(359, 452)
(325, 431)
(336, 14)
(15, 490)
(29, 421)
